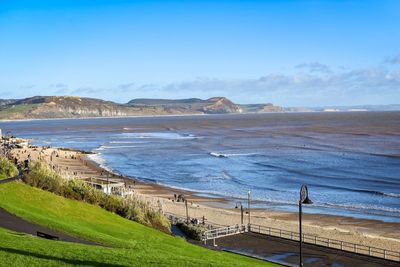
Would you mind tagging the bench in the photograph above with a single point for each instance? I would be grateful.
(47, 236)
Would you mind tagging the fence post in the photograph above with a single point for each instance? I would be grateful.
(329, 243)
(384, 254)
(369, 251)
(259, 229)
(355, 248)
(315, 239)
(341, 245)
(280, 233)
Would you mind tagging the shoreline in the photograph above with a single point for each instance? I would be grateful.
(76, 163)
(192, 114)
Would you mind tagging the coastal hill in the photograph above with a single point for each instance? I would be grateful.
(213, 105)
(46, 107)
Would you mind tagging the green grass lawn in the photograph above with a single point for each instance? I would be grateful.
(126, 243)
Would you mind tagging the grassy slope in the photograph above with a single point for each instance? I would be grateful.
(132, 243)
(17, 111)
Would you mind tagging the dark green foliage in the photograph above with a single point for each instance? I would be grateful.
(193, 231)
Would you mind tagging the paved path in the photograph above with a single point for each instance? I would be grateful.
(14, 223)
(9, 180)
(286, 251)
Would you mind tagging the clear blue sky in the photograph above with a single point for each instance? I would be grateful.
(292, 53)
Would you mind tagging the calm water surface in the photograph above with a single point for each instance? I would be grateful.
(350, 161)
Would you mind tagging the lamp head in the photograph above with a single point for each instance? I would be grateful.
(304, 199)
(307, 201)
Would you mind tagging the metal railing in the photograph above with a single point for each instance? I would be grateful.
(224, 231)
(217, 231)
(327, 242)
(174, 218)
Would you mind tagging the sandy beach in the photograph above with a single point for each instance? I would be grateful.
(71, 163)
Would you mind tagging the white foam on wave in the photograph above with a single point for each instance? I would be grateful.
(105, 147)
(100, 148)
(218, 155)
(98, 159)
(391, 195)
(158, 135)
(124, 142)
(228, 155)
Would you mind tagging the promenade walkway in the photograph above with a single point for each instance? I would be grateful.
(286, 251)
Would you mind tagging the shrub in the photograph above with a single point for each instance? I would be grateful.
(193, 231)
(7, 168)
(159, 221)
(42, 176)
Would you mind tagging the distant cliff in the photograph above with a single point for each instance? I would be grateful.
(215, 105)
(43, 107)
(255, 108)
(40, 107)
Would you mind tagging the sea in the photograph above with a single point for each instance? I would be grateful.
(350, 161)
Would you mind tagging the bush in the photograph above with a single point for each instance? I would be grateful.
(193, 231)
(40, 175)
(159, 221)
(7, 168)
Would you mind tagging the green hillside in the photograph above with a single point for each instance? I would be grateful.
(126, 243)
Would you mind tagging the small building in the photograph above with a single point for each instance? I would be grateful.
(107, 186)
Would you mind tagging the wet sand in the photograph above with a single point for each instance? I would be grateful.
(71, 163)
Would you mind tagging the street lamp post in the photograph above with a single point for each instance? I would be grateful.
(248, 205)
(187, 212)
(303, 200)
(241, 211)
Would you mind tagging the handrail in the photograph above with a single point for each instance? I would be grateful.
(327, 242)
(218, 230)
(175, 218)
(223, 231)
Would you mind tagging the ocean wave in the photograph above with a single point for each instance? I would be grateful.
(218, 155)
(98, 159)
(158, 135)
(364, 208)
(389, 194)
(116, 147)
(100, 148)
(373, 192)
(124, 142)
(105, 147)
(228, 155)
(358, 190)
